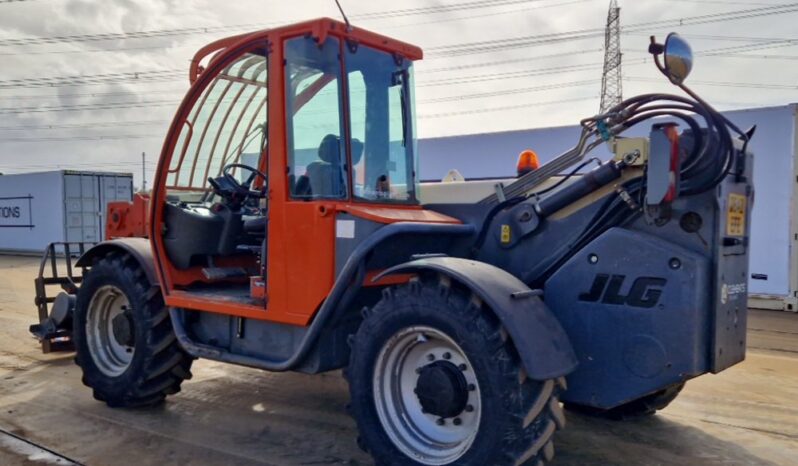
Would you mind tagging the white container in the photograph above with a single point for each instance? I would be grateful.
(773, 283)
(40, 208)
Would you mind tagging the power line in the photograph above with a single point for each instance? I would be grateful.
(526, 59)
(506, 107)
(515, 74)
(82, 51)
(76, 164)
(506, 92)
(96, 124)
(550, 38)
(763, 86)
(726, 2)
(483, 15)
(394, 26)
(178, 92)
(459, 79)
(720, 37)
(158, 33)
(83, 138)
(106, 78)
(127, 105)
(80, 107)
(441, 51)
(448, 8)
(758, 57)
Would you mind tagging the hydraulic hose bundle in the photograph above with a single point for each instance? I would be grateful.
(710, 158)
(713, 147)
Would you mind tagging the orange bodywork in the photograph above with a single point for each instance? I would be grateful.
(128, 219)
(301, 234)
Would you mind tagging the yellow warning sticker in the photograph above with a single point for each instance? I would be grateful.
(735, 215)
(505, 234)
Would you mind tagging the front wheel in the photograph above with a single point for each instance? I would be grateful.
(123, 337)
(435, 380)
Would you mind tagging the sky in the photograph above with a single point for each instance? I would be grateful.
(88, 85)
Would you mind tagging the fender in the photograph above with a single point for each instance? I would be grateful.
(543, 345)
(139, 248)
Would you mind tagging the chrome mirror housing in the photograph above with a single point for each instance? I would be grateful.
(678, 58)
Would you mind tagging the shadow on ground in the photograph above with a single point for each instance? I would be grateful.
(233, 415)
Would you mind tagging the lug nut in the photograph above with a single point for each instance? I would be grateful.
(441, 421)
(469, 409)
(471, 387)
(431, 357)
(447, 355)
(457, 421)
(462, 367)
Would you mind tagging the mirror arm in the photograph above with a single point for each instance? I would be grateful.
(656, 50)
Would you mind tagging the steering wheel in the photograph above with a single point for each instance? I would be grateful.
(234, 191)
(247, 184)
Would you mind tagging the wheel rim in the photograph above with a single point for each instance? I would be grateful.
(428, 438)
(110, 332)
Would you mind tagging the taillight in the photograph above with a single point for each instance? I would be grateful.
(662, 173)
(672, 134)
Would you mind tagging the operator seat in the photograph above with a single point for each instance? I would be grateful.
(324, 175)
(256, 226)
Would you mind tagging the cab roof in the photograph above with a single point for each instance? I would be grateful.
(319, 28)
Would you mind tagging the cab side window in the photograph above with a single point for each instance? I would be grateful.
(226, 125)
(316, 150)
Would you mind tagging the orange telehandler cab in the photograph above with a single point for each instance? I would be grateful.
(288, 230)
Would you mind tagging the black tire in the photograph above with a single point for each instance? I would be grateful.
(641, 407)
(158, 364)
(519, 416)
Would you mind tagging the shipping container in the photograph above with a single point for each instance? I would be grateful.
(56, 206)
(773, 283)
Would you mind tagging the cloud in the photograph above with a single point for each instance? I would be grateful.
(519, 19)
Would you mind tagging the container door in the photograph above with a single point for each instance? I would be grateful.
(81, 194)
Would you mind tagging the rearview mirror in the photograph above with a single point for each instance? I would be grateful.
(678, 58)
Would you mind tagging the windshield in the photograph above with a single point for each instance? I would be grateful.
(382, 125)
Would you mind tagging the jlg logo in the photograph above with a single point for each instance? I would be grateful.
(645, 291)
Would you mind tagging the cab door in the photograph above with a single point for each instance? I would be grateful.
(301, 253)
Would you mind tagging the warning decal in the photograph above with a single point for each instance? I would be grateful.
(735, 216)
(505, 237)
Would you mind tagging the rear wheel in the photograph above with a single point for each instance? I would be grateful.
(123, 336)
(435, 380)
(644, 406)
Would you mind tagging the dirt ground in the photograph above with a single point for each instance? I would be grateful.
(747, 415)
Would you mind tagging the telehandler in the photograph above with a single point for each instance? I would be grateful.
(287, 231)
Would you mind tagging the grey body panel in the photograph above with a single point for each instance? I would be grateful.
(540, 340)
(731, 274)
(632, 342)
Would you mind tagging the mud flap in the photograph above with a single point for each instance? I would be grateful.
(542, 344)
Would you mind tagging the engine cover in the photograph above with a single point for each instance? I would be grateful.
(638, 312)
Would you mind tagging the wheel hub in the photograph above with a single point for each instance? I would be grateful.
(110, 330)
(442, 389)
(427, 395)
(122, 327)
